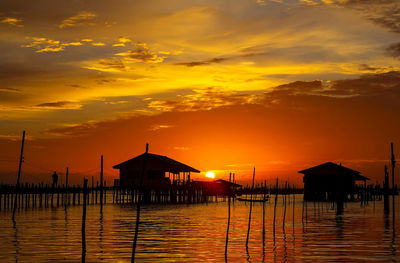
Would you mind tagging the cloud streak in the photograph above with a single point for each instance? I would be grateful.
(81, 19)
(70, 105)
(202, 63)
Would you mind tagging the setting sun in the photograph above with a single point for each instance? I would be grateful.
(210, 175)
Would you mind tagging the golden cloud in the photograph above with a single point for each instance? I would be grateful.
(12, 21)
(81, 19)
(42, 44)
(121, 41)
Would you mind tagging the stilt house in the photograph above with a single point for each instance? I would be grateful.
(158, 171)
(330, 182)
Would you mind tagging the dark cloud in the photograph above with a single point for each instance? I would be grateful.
(12, 90)
(72, 130)
(59, 105)
(202, 63)
(105, 81)
(113, 63)
(366, 67)
(394, 50)
(141, 54)
(379, 86)
(382, 12)
(384, 85)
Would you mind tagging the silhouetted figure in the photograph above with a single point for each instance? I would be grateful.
(55, 179)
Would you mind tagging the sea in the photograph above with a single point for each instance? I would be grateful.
(302, 232)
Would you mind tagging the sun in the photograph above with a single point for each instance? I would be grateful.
(210, 175)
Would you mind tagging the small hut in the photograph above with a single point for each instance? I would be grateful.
(330, 182)
(158, 171)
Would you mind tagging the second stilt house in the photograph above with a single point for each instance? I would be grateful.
(329, 182)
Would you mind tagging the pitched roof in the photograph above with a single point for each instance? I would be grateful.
(332, 169)
(157, 163)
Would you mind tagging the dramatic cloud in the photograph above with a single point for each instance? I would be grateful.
(81, 19)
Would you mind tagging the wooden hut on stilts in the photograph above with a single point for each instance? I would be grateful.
(162, 175)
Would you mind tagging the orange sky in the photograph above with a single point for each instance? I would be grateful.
(219, 85)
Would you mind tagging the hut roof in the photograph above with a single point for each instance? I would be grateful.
(155, 162)
(332, 169)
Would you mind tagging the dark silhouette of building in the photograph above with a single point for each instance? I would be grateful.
(217, 187)
(330, 182)
(160, 171)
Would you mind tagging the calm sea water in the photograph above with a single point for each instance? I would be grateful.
(196, 233)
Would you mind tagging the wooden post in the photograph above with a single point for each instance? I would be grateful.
(393, 162)
(92, 189)
(138, 205)
(284, 210)
(105, 192)
(263, 214)
(294, 200)
(101, 184)
(66, 179)
(276, 201)
(251, 207)
(19, 174)
(386, 192)
(84, 220)
(229, 221)
(97, 187)
(393, 187)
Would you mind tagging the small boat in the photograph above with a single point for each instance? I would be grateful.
(253, 200)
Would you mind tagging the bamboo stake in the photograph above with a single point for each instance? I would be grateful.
(276, 202)
(284, 211)
(229, 220)
(263, 214)
(138, 206)
(294, 201)
(101, 185)
(251, 207)
(19, 174)
(84, 220)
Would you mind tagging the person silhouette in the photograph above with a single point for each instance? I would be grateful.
(55, 179)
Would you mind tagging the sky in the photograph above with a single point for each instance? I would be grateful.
(222, 86)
